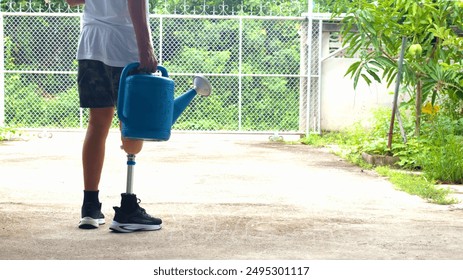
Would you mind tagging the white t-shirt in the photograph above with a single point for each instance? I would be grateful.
(107, 33)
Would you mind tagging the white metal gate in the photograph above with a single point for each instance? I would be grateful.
(265, 70)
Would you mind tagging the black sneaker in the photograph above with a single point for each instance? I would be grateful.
(138, 220)
(91, 216)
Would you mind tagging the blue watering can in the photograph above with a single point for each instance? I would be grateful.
(146, 106)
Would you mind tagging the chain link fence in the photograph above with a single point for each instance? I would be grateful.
(256, 64)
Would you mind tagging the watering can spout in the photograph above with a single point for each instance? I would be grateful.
(201, 86)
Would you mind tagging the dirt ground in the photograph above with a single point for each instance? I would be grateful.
(221, 196)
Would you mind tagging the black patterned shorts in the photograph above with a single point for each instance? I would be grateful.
(98, 84)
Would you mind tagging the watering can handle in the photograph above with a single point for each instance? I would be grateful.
(163, 71)
(124, 74)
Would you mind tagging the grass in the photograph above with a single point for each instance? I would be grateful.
(6, 133)
(414, 184)
(417, 185)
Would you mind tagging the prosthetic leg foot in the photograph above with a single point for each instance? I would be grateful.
(130, 216)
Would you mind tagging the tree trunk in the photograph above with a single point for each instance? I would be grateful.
(418, 105)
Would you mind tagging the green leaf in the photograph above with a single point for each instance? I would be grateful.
(366, 79)
(353, 68)
(374, 75)
(391, 77)
(377, 64)
(356, 46)
(386, 62)
(356, 78)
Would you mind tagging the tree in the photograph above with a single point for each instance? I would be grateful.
(373, 30)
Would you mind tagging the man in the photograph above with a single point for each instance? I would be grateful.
(114, 33)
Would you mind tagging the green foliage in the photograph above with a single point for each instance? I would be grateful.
(315, 140)
(444, 163)
(373, 31)
(42, 101)
(7, 133)
(437, 152)
(441, 150)
(31, 40)
(189, 46)
(193, 52)
(25, 106)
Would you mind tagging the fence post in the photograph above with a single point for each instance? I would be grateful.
(317, 121)
(2, 74)
(309, 72)
(240, 74)
(303, 93)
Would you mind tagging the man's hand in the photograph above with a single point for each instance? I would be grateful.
(137, 10)
(148, 61)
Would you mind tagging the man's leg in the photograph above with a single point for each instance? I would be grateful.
(93, 154)
(93, 151)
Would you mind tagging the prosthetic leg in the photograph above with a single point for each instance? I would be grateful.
(147, 110)
(130, 167)
(130, 216)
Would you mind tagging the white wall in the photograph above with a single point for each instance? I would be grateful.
(341, 105)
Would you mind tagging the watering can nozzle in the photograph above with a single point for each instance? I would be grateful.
(202, 86)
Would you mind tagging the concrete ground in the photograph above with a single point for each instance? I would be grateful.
(221, 197)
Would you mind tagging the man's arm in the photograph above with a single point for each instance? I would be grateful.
(75, 2)
(137, 10)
